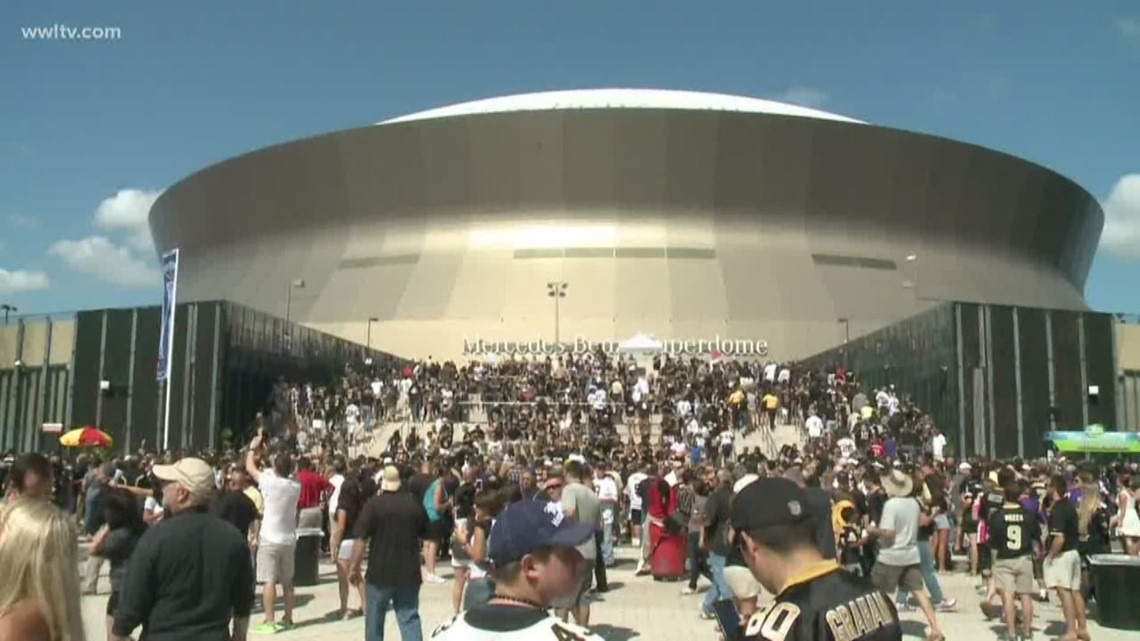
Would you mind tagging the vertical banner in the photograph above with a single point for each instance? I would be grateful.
(169, 292)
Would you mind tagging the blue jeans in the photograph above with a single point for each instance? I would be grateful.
(608, 534)
(697, 565)
(404, 600)
(926, 564)
(719, 589)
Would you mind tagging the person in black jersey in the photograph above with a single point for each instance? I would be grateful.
(1014, 537)
(815, 599)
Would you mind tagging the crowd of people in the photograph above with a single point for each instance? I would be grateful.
(525, 475)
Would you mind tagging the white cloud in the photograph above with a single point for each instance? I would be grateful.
(20, 280)
(1121, 236)
(20, 220)
(102, 258)
(804, 96)
(127, 211)
(1127, 27)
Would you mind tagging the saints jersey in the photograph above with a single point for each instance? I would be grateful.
(826, 603)
(1012, 531)
(510, 623)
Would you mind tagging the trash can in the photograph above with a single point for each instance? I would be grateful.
(1113, 577)
(307, 556)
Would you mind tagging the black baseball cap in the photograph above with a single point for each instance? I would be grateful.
(527, 526)
(767, 502)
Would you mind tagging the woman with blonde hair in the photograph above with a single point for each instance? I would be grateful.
(39, 594)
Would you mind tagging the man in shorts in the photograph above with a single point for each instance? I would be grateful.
(1063, 562)
(897, 564)
(1013, 536)
(277, 538)
(580, 504)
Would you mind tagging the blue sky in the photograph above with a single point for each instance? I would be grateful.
(92, 129)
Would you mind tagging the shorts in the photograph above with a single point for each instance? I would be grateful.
(345, 551)
(635, 517)
(434, 530)
(741, 583)
(275, 563)
(310, 518)
(1064, 571)
(583, 580)
(941, 522)
(888, 578)
(112, 603)
(1014, 575)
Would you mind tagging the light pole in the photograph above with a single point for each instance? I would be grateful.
(371, 319)
(296, 284)
(913, 282)
(557, 291)
(8, 309)
(846, 339)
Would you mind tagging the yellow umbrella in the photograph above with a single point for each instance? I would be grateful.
(86, 437)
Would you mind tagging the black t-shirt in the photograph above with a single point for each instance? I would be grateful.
(1012, 531)
(850, 551)
(419, 484)
(642, 490)
(819, 509)
(351, 502)
(1063, 522)
(236, 509)
(717, 521)
(875, 502)
(393, 523)
(827, 604)
(465, 501)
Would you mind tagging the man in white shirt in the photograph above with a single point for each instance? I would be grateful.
(278, 536)
(635, 515)
(938, 445)
(607, 491)
(814, 425)
(897, 564)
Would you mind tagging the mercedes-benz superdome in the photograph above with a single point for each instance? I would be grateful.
(713, 222)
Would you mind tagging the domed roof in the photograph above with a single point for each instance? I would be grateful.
(621, 99)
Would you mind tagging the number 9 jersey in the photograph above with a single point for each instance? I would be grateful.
(825, 602)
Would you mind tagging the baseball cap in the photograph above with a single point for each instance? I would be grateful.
(768, 501)
(530, 525)
(194, 474)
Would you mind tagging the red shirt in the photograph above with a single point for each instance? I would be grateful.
(312, 486)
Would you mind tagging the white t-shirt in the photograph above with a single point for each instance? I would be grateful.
(938, 444)
(336, 480)
(814, 426)
(549, 628)
(631, 489)
(770, 372)
(846, 446)
(901, 515)
(606, 489)
(279, 520)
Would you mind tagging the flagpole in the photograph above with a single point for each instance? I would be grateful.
(170, 354)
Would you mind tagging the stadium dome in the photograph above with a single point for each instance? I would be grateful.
(685, 216)
(621, 99)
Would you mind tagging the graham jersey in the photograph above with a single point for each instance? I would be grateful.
(510, 623)
(825, 603)
(1012, 531)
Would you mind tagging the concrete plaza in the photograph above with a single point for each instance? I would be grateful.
(634, 608)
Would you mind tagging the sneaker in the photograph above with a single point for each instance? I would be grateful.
(707, 616)
(687, 591)
(948, 605)
(285, 626)
(265, 628)
(435, 579)
(905, 607)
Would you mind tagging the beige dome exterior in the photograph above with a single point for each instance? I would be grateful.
(756, 226)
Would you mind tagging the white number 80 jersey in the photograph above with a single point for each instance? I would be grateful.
(547, 628)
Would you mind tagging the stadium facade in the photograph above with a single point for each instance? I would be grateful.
(700, 219)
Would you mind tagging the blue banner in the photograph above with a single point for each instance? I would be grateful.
(169, 295)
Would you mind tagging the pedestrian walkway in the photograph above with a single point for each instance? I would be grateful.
(635, 608)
